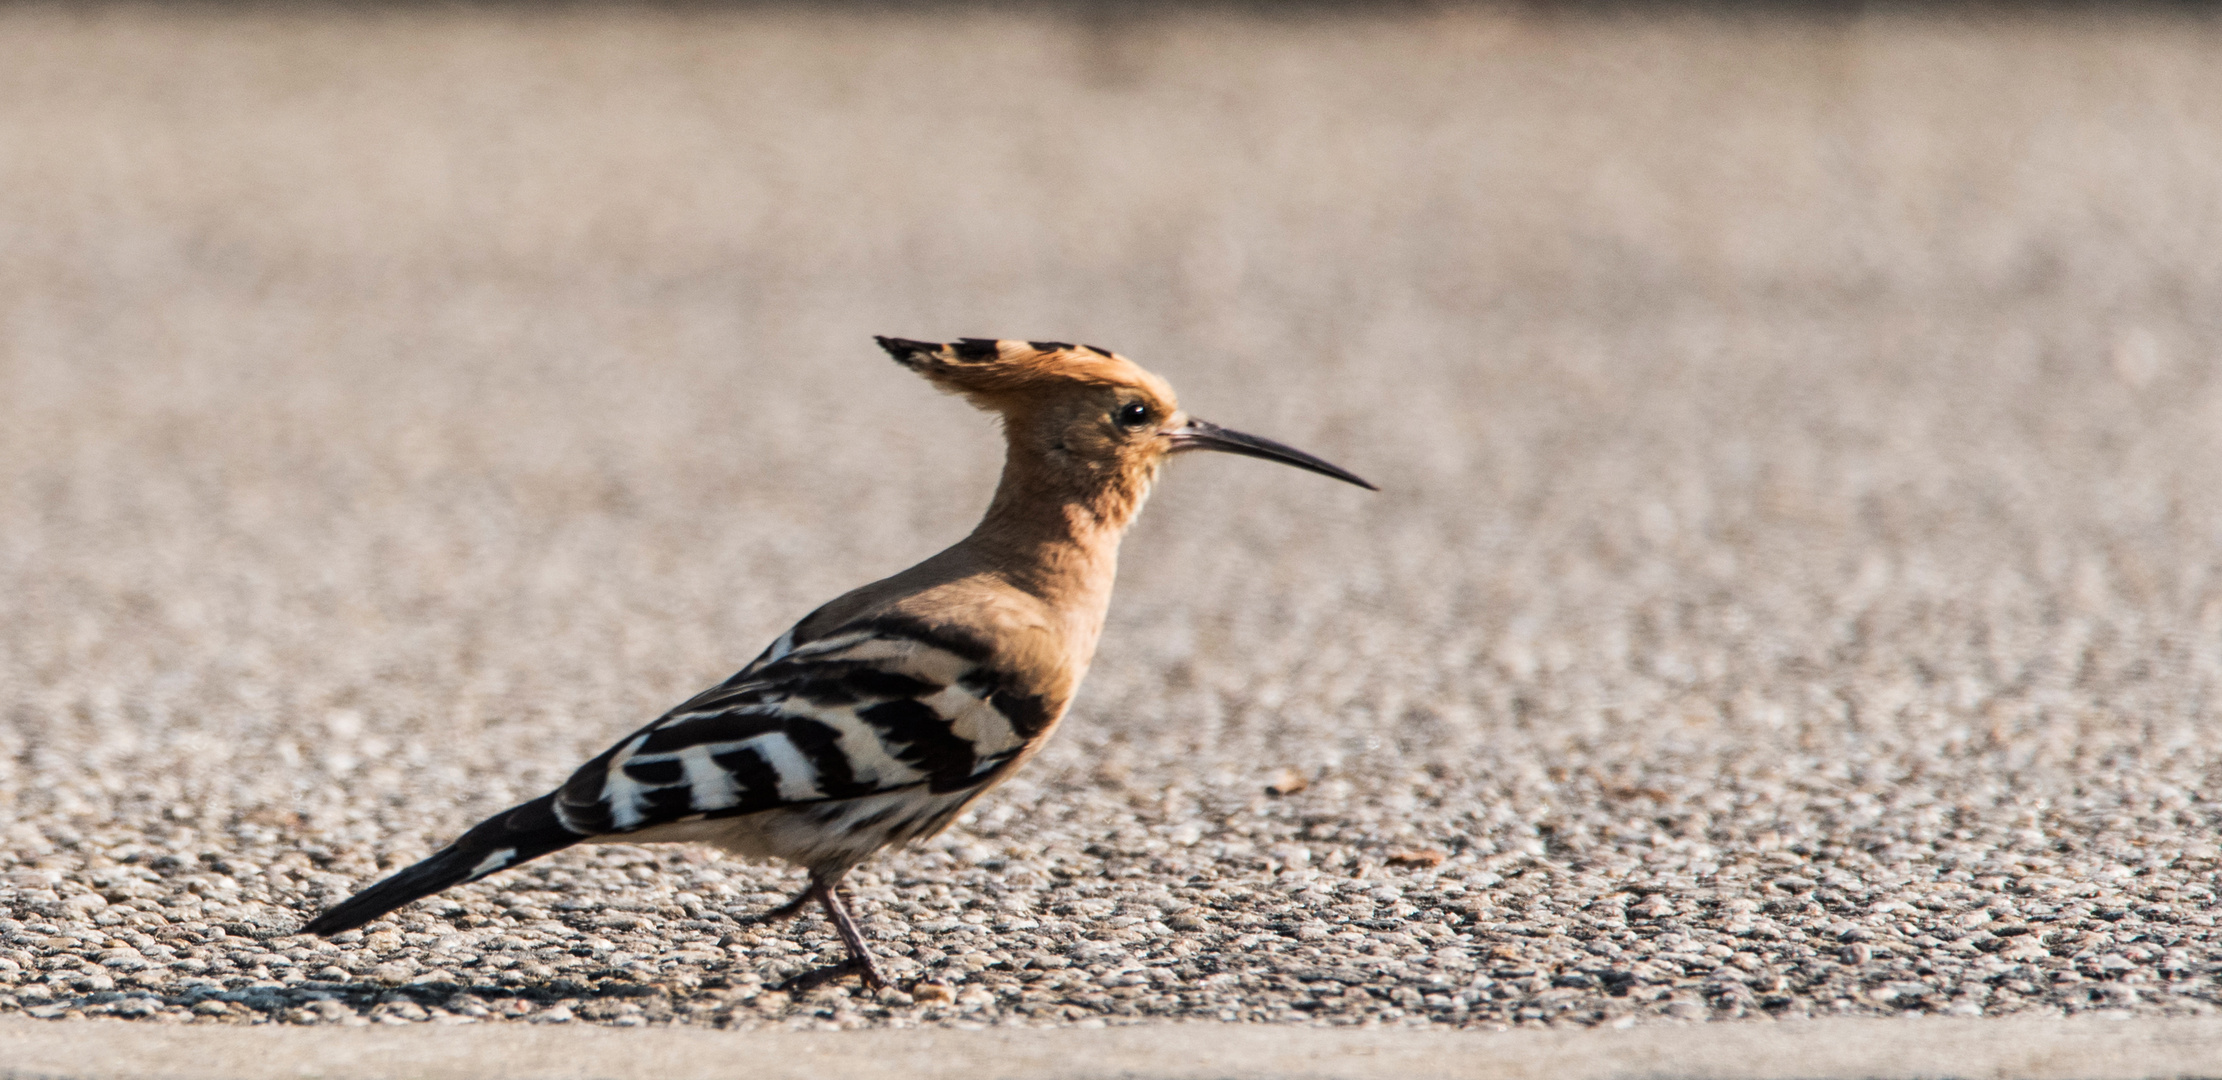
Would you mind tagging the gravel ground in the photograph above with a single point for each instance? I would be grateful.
(1795, 590)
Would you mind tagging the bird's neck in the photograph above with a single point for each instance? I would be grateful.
(1057, 535)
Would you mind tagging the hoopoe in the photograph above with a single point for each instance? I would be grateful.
(879, 717)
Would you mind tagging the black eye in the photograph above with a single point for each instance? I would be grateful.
(1134, 414)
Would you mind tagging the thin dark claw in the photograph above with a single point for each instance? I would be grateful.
(817, 977)
(784, 911)
(869, 974)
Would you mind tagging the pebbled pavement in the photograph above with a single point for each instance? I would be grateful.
(1793, 593)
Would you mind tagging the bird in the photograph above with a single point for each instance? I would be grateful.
(881, 716)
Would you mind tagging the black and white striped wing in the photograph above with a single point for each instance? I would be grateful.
(875, 708)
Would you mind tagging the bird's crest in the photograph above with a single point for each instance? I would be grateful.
(985, 368)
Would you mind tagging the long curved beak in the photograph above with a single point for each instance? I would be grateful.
(1202, 435)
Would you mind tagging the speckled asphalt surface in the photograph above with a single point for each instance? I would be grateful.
(1794, 591)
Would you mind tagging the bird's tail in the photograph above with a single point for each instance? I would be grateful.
(522, 832)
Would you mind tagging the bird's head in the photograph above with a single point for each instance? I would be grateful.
(1092, 415)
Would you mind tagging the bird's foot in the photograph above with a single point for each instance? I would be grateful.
(782, 913)
(816, 977)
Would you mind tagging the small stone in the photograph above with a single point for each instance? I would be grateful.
(328, 1011)
(1423, 858)
(932, 993)
(1287, 782)
(399, 1012)
(469, 1005)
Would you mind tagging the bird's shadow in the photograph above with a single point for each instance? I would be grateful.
(361, 996)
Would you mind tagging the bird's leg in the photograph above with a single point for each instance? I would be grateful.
(860, 954)
(859, 962)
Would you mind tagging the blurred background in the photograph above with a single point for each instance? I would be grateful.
(1794, 424)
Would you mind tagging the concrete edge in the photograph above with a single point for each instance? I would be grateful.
(1859, 1049)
